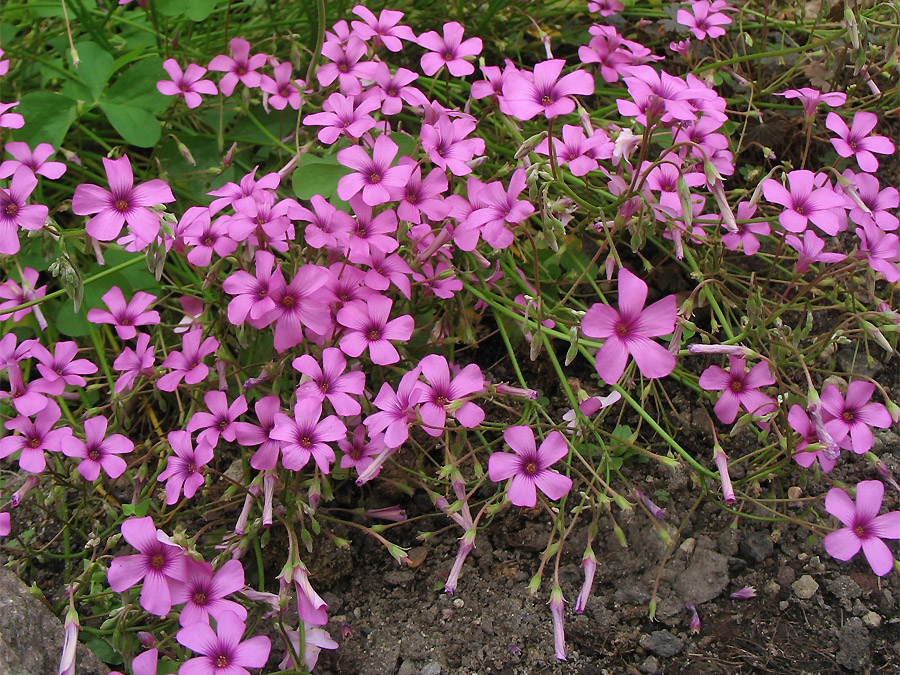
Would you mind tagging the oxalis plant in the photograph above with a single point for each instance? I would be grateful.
(250, 258)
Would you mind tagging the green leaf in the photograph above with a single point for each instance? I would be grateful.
(318, 176)
(406, 144)
(48, 117)
(95, 66)
(137, 86)
(104, 651)
(136, 125)
(195, 10)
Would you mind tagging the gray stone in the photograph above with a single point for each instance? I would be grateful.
(756, 546)
(805, 587)
(705, 578)
(399, 578)
(853, 646)
(650, 666)
(31, 637)
(408, 667)
(662, 643)
(433, 668)
(844, 589)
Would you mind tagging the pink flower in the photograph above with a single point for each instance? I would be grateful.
(330, 381)
(373, 175)
(529, 467)
(800, 422)
(206, 236)
(579, 152)
(59, 368)
(397, 410)
(281, 91)
(10, 120)
(15, 212)
(315, 639)
(249, 190)
(252, 293)
(343, 115)
(307, 435)
(853, 415)
(297, 305)
(125, 203)
(811, 98)
(327, 226)
(186, 84)
(739, 388)
(383, 29)
(367, 327)
(357, 452)
(880, 250)
(241, 68)
(450, 51)
(864, 529)
(248, 434)
(159, 562)
(35, 437)
(125, 316)
(346, 66)
(222, 652)
(613, 52)
(16, 295)
(203, 592)
(746, 234)
(35, 161)
(219, 421)
(547, 93)
(805, 201)
(628, 331)
(856, 142)
(188, 364)
(605, 7)
(656, 97)
(703, 21)
(97, 450)
(879, 202)
(501, 208)
(395, 90)
(134, 362)
(183, 468)
(810, 250)
(442, 395)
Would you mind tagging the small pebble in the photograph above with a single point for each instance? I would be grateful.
(458, 603)
(872, 620)
(805, 587)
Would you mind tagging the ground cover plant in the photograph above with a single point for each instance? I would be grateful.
(272, 270)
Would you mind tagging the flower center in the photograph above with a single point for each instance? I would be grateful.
(448, 56)
(223, 425)
(859, 531)
(287, 301)
(343, 67)
(157, 561)
(199, 598)
(285, 93)
(221, 661)
(306, 442)
(94, 454)
(391, 92)
(355, 452)
(34, 443)
(621, 329)
(125, 321)
(848, 416)
(261, 294)
(373, 335)
(12, 209)
(121, 206)
(531, 468)
(207, 241)
(546, 100)
(442, 400)
(191, 468)
(241, 70)
(737, 386)
(323, 387)
(374, 177)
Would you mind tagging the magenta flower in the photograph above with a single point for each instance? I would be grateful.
(125, 203)
(367, 327)
(613, 52)
(529, 467)
(450, 51)
(579, 152)
(657, 96)
(342, 115)
(16, 295)
(248, 434)
(315, 639)
(297, 305)
(397, 410)
(800, 422)
(880, 203)
(35, 437)
(5, 525)
(805, 202)
(501, 208)
(159, 562)
(856, 142)
(186, 84)
(281, 91)
(447, 146)
(28, 399)
(853, 415)
(203, 592)
(10, 120)
(605, 7)
(373, 175)
(547, 93)
(739, 388)
(880, 250)
(134, 362)
(330, 381)
(222, 652)
(249, 190)
(219, 421)
(704, 21)
(810, 250)
(745, 236)
(443, 394)
(206, 236)
(346, 66)
(125, 316)
(307, 435)
(395, 90)
(188, 364)
(383, 29)
(252, 293)
(327, 227)
(628, 331)
(183, 469)
(37, 161)
(240, 67)
(59, 368)
(15, 212)
(359, 454)
(811, 98)
(864, 529)
(97, 450)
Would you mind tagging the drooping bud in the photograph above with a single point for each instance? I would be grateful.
(722, 464)
(744, 593)
(268, 494)
(466, 544)
(695, 618)
(589, 565)
(556, 610)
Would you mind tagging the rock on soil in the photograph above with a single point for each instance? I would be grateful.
(662, 643)
(853, 646)
(31, 637)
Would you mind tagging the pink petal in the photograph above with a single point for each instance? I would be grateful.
(842, 544)
(522, 491)
(879, 556)
(839, 504)
(553, 484)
